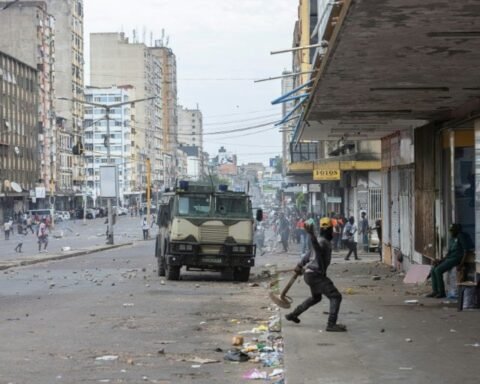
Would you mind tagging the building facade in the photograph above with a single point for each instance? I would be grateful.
(19, 168)
(27, 32)
(287, 86)
(341, 172)
(190, 132)
(168, 65)
(115, 60)
(122, 141)
(69, 85)
(190, 127)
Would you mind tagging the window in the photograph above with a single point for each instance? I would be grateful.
(303, 152)
(194, 205)
(232, 206)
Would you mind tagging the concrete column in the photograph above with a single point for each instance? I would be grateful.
(452, 173)
(477, 190)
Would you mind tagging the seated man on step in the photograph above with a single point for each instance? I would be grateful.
(459, 245)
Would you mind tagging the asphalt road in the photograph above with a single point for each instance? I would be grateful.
(60, 319)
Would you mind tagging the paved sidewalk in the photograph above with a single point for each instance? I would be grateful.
(388, 339)
(80, 239)
(43, 257)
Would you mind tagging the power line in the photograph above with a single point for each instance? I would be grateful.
(243, 120)
(239, 113)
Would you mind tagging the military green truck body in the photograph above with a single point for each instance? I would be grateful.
(204, 228)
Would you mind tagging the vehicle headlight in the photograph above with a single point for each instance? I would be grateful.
(185, 247)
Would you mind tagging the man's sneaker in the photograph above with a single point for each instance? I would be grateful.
(432, 294)
(440, 296)
(292, 317)
(336, 328)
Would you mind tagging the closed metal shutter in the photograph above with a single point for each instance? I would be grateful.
(395, 207)
(386, 207)
(406, 212)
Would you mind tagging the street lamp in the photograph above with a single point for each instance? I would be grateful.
(108, 108)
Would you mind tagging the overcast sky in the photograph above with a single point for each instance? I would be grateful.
(221, 47)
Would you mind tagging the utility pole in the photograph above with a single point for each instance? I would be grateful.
(109, 200)
(85, 187)
(149, 181)
(52, 203)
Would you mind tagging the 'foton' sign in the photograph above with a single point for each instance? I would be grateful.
(326, 174)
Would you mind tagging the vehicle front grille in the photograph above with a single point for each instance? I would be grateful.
(213, 234)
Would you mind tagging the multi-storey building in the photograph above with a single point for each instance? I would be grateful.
(122, 139)
(69, 84)
(168, 64)
(190, 127)
(287, 86)
(190, 132)
(115, 60)
(18, 134)
(27, 32)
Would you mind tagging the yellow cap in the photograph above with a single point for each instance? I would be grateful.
(325, 222)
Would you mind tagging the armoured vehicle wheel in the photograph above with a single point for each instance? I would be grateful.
(241, 274)
(173, 272)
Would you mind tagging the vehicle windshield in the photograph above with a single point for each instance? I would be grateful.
(194, 205)
(232, 206)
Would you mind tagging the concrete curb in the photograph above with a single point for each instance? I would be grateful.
(22, 263)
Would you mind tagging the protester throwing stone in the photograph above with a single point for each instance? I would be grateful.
(315, 264)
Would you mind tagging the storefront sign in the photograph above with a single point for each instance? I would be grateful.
(326, 174)
(334, 199)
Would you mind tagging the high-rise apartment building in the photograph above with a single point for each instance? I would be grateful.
(116, 61)
(48, 35)
(69, 84)
(18, 135)
(27, 32)
(122, 139)
(168, 65)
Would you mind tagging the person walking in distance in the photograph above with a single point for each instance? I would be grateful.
(364, 230)
(350, 232)
(284, 231)
(315, 264)
(7, 227)
(378, 227)
(23, 233)
(145, 228)
(42, 235)
(29, 224)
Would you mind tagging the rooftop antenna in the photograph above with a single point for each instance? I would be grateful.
(151, 39)
(134, 36)
(144, 34)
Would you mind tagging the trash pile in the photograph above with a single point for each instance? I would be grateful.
(264, 348)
